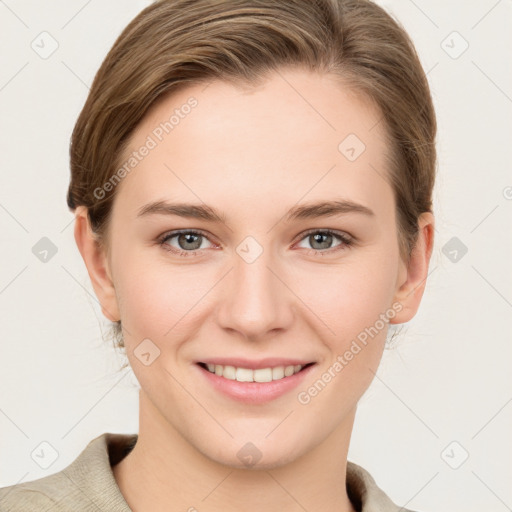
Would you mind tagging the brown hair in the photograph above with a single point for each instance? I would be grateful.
(175, 43)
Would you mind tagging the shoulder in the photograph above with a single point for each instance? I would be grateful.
(365, 494)
(87, 484)
(42, 494)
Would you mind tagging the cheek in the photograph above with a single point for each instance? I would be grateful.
(158, 299)
(144, 295)
(349, 297)
(354, 301)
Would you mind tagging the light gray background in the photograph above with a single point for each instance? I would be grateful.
(447, 380)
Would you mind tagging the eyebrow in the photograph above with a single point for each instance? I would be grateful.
(305, 211)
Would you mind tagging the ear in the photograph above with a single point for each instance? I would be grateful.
(96, 261)
(413, 276)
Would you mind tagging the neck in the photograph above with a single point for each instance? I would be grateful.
(164, 472)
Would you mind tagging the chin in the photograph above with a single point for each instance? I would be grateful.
(259, 454)
(277, 460)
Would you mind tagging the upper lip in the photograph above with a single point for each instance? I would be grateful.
(268, 362)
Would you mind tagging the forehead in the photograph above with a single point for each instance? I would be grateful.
(296, 134)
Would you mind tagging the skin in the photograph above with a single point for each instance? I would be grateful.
(252, 153)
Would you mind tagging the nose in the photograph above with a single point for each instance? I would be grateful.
(256, 300)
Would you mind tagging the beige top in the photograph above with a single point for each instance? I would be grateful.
(88, 484)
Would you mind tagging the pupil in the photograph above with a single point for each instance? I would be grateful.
(189, 238)
(325, 244)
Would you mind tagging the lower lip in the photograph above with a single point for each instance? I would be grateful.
(255, 392)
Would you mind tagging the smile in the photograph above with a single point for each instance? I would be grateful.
(248, 375)
(254, 385)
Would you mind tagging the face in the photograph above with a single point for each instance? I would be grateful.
(283, 251)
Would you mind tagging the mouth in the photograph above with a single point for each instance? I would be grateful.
(253, 386)
(268, 374)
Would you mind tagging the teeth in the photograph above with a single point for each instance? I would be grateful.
(259, 375)
(288, 371)
(277, 372)
(229, 372)
(243, 375)
(263, 375)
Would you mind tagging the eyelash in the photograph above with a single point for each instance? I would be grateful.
(346, 240)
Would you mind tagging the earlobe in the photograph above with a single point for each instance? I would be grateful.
(410, 289)
(96, 261)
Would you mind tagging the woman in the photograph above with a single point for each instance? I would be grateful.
(252, 185)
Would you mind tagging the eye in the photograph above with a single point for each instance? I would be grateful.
(186, 242)
(321, 240)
